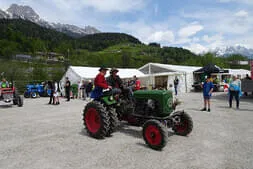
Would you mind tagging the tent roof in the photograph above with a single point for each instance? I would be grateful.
(91, 72)
(162, 68)
(210, 68)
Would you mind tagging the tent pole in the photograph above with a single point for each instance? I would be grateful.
(186, 86)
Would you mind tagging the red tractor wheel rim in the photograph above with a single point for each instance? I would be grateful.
(182, 127)
(153, 135)
(92, 120)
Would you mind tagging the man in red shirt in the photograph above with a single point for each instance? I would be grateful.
(100, 84)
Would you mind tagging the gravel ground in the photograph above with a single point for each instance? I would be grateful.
(41, 136)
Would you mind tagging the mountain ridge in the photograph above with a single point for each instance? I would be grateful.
(230, 50)
(27, 13)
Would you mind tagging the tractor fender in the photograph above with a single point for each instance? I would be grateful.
(177, 113)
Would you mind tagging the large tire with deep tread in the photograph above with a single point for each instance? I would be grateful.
(185, 126)
(114, 122)
(155, 134)
(20, 101)
(96, 119)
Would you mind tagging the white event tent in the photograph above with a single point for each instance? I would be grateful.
(79, 73)
(163, 75)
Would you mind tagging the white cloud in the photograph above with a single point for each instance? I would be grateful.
(197, 48)
(190, 30)
(160, 36)
(224, 21)
(242, 13)
(102, 5)
(210, 39)
(237, 1)
(148, 33)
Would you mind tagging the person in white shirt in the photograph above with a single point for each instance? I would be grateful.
(80, 93)
(56, 94)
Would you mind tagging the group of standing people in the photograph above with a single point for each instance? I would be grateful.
(54, 92)
(234, 91)
(84, 89)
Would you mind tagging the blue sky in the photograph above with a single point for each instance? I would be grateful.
(198, 25)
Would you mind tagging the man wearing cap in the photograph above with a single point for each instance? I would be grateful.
(100, 84)
(115, 81)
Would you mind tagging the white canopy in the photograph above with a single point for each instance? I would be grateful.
(77, 73)
(154, 68)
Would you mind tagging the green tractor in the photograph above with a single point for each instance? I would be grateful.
(154, 110)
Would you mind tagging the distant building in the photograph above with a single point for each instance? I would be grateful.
(23, 57)
(238, 62)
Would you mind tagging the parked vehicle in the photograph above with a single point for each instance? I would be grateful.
(10, 95)
(154, 110)
(247, 86)
(34, 91)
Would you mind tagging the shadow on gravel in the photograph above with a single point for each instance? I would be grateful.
(233, 108)
(136, 133)
(83, 132)
(224, 96)
(129, 131)
(5, 106)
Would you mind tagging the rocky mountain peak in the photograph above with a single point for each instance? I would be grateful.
(24, 12)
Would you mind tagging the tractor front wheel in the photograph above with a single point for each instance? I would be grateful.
(183, 124)
(155, 134)
(96, 119)
(33, 95)
(114, 122)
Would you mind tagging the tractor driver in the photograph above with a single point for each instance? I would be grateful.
(100, 84)
(3, 84)
(115, 81)
(117, 85)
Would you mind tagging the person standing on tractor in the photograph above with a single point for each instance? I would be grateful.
(115, 81)
(135, 84)
(100, 84)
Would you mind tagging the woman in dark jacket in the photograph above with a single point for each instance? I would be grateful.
(52, 88)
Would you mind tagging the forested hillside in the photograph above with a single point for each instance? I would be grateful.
(109, 49)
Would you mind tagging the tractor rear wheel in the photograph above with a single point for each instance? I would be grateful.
(155, 134)
(184, 125)
(113, 121)
(26, 95)
(96, 119)
(20, 101)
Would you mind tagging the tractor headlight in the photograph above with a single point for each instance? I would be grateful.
(170, 102)
(111, 98)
